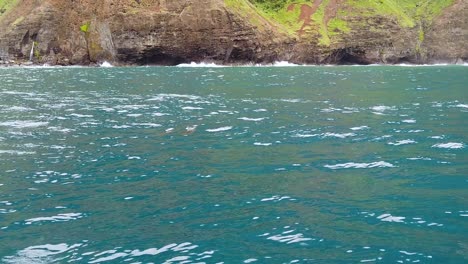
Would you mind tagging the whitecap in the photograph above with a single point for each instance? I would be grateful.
(191, 128)
(121, 127)
(262, 144)
(55, 218)
(251, 119)
(409, 121)
(402, 142)
(450, 145)
(146, 124)
(134, 115)
(80, 115)
(419, 158)
(382, 108)
(191, 108)
(408, 253)
(18, 93)
(337, 135)
(291, 100)
(462, 105)
(18, 109)
(220, 129)
(276, 198)
(160, 114)
(359, 128)
(59, 129)
(353, 165)
(330, 110)
(305, 135)
(162, 97)
(390, 218)
(16, 152)
(23, 124)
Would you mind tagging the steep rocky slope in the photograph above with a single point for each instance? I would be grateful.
(233, 31)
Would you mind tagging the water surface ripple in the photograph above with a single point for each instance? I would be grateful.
(234, 165)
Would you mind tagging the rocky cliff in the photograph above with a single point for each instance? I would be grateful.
(170, 32)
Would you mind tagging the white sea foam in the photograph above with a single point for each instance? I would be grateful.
(55, 218)
(152, 251)
(262, 144)
(291, 100)
(289, 239)
(419, 158)
(110, 257)
(305, 135)
(353, 165)
(160, 114)
(359, 128)
(16, 152)
(146, 124)
(450, 145)
(402, 142)
(191, 108)
(18, 93)
(409, 121)
(390, 218)
(18, 109)
(337, 135)
(23, 124)
(200, 65)
(191, 128)
(462, 105)
(251, 119)
(276, 198)
(121, 127)
(220, 129)
(283, 64)
(106, 64)
(382, 108)
(162, 97)
(39, 254)
(422, 65)
(80, 115)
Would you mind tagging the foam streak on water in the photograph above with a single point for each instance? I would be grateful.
(207, 164)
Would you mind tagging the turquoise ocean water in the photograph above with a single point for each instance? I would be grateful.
(234, 165)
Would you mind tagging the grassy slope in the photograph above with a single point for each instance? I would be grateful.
(6, 6)
(408, 13)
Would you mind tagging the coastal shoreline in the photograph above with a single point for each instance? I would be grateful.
(230, 65)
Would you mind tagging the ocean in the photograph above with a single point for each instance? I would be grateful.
(312, 164)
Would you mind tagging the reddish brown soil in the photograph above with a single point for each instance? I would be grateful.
(306, 15)
(291, 7)
(308, 11)
(332, 10)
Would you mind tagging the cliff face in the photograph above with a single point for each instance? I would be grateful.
(232, 31)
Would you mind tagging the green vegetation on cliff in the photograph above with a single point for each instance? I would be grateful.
(6, 6)
(328, 19)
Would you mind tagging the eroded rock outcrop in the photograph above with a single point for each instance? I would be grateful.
(232, 31)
